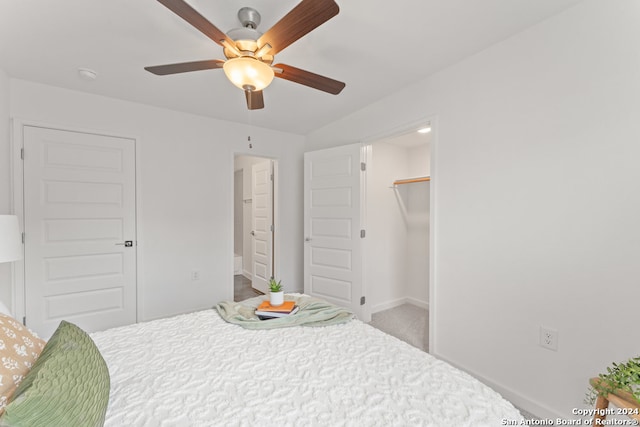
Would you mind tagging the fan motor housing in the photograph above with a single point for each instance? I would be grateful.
(246, 36)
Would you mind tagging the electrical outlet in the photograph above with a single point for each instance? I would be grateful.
(195, 275)
(549, 338)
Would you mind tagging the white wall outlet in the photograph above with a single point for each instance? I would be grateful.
(195, 275)
(549, 338)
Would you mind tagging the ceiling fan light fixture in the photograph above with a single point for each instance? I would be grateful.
(246, 72)
(250, 53)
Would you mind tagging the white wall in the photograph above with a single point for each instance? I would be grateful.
(185, 190)
(418, 203)
(419, 160)
(416, 197)
(536, 201)
(5, 186)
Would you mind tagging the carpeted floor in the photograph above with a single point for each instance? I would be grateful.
(406, 322)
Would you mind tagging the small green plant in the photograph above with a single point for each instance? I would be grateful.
(619, 376)
(275, 286)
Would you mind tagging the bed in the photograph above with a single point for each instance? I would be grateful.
(199, 370)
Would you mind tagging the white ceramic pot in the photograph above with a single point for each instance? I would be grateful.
(276, 298)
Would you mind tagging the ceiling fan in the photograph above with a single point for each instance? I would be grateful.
(250, 53)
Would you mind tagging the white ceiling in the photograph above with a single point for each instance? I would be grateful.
(375, 47)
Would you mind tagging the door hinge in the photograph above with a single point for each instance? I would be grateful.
(363, 166)
(362, 234)
(24, 320)
(271, 228)
(22, 153)
(271, 177)
(362, 300)
(23, 237)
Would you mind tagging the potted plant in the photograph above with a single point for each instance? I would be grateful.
(276, 295)
(623, 377)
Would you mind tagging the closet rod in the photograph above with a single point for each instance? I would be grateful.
(412, 180)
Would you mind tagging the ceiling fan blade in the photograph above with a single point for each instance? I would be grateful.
(185, 67)
(308, 78)
(301, 20)
(255, 101)
(189, 14)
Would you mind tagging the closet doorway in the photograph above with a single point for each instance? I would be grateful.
(397, 244)
(254, 230)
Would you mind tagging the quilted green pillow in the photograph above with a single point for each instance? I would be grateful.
(67, 386)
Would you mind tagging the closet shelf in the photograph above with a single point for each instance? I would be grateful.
(412, 180)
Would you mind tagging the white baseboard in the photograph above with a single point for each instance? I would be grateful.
(517, 399)
(398, 302)
(418, 303)
(388, 305)
(247, 274)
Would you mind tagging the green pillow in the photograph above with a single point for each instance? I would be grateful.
(67, 386)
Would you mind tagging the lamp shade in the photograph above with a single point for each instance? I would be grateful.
(10, 241)
(248, 73)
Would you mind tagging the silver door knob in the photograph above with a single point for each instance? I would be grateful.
(126, 243)
(253, 233)
(307, 239)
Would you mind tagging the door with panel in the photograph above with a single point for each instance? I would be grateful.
(333, 180)
(80, 228)
(262, 229)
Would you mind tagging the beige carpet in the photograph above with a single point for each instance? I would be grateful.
(406, 322)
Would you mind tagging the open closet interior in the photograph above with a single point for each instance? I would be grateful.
(397, 198)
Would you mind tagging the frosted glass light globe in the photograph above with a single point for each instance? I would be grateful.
(248, 73)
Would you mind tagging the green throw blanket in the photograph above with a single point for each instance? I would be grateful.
(312, 312)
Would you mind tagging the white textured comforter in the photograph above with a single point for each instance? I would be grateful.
(197, 370)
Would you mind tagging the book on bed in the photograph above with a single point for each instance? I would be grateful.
(267, 311)
(274, 314)
(285, 307)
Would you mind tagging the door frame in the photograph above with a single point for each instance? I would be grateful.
(18, 291)
(367, 142)
(276, 248)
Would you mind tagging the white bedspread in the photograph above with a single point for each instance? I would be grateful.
(197, 370)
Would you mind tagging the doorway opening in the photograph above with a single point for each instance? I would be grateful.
(397, 248)
(368, 227)
(254, 216)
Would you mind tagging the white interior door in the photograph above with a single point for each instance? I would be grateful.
(262, 224)
(79, 210)
(332, 227)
